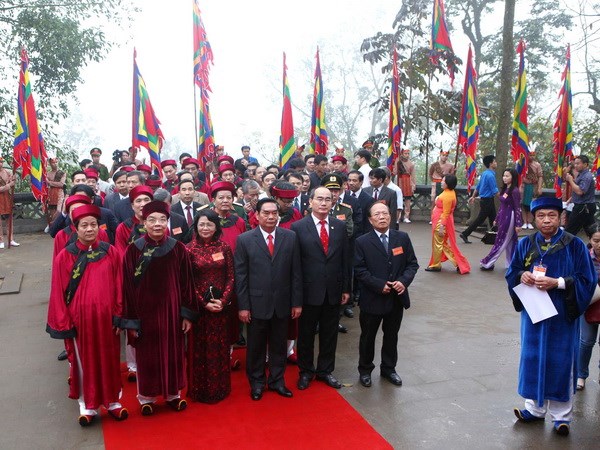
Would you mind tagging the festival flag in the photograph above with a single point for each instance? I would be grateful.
(203, 59)
(440, 38)
(28, 149)
(563, 127)
(468, 129)
(287, 143)
(596, 169)
(318, 130)
(146, 126)
(394, 130)
(520, 135)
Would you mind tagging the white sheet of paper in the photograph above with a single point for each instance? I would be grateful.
(536, 301)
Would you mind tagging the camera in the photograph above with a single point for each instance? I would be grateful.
(116, 156)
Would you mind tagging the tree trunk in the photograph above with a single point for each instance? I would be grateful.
(506, 81)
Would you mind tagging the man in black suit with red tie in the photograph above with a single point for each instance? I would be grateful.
(326, 284)
(384, 265)
(268, 279)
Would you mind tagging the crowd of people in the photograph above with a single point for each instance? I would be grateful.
(188, 266)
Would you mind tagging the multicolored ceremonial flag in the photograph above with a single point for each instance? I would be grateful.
(440, 38)
(596, 169)
(146, 126)
(520, 134)
(394, 130)
(29, 152)
(203, 60)
(287, 143)
(468, 129)
(563, 127)
(319, 141)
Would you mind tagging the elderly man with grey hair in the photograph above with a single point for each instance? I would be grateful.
(251, 191)
(178, 227)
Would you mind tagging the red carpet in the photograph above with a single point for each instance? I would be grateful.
(318, 418)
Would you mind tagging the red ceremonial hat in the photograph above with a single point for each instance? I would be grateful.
(194, 161)
(73, 199)
(144, 168)
(168, 162)
(153, 183)
(225, 159)
(221, 186)
(225, 168)
(156, 206)
(126, 169)
(339, 158)
(283, 193)
(91, 173)
(140, 190)
(85, 211)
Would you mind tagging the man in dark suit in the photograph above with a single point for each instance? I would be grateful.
(122, 208)
(326, 276)
(385, 265)
(186, 206)
(321, 167)
(268, 278)
(178, 227)
(301, 200)
(381, 193)
(121, 191)
(355, 191)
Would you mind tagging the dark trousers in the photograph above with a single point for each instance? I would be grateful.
(369, 325)
(487, 210)
(268, 334)
(582, 216)
(327, 316)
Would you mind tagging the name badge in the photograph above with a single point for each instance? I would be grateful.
(397, 251)
(539, 270)
(341, 217)
(505, 195)
(103, 227)
(177, 231)
(218, 256)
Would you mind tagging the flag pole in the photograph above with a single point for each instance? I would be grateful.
(9, 236)
(196, 120)
(427, 124)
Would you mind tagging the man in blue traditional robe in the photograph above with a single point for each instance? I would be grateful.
(559, 263)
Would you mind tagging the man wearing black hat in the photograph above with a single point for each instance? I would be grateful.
(487, 190)
(559, 264)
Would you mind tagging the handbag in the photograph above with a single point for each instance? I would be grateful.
(592, 314)
(489, 237)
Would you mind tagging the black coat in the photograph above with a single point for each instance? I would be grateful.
(123, 210)
(323, 274)
(266, 285)
(373, 267)
(387, 196)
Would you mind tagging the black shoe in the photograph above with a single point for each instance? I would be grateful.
(330, 381)
(348, 312)
(256, 394)
(486, 269)
(433, 269)
(464, 238)
(282, 390)
(62, 355)
(365, 380)
(342, 328)
(303, 382)
(241, 342)
(393, 378)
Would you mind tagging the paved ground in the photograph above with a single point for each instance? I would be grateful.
(458, 352)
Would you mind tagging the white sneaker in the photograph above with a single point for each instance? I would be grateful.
(580, 384)
(14, 244)
(430, 223)
(47, 229)
(530, 226)
(1, 245)
(406, 220)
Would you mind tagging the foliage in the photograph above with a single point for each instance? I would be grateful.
(61, 39)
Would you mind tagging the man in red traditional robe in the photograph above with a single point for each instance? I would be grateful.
(132, 229)
(159, 305)
(84, 310)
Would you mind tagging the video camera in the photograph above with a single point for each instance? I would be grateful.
(117, 155)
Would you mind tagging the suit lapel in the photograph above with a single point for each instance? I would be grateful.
(378, 245)
(260, 242)
(312, 228)
(279, 238)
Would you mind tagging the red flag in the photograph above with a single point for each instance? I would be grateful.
(319, 141)
(563, 127)
(394, 130)
(287, 143)
(596, 169)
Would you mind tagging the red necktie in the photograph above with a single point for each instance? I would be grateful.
(324, 236)
(270, 244)
(375, 192)
(188, 215)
